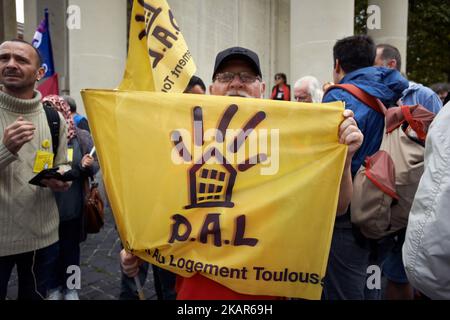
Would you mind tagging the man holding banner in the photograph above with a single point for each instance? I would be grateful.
(237, 196)
(237, 72)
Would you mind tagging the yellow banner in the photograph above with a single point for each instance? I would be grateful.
(158, 57)
(243, 191)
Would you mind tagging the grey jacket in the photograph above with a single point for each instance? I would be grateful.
(426, 252)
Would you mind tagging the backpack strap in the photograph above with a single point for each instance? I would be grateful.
(413, 123)
(53, 122)
(362, 96)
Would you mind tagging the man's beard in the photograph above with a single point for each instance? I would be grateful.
(18, 86)
(238, 93)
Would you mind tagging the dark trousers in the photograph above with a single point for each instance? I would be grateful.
(33, 269)
(69, 252)
(164, 283)
(348, 262)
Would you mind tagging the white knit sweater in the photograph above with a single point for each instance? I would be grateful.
(28, 214)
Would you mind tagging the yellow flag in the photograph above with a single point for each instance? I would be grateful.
(158, 57)
(242, 191)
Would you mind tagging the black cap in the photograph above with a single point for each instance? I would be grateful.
(238, 52)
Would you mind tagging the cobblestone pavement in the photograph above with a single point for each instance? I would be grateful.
(100, 266)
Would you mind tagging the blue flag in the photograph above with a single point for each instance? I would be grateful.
(42, 42)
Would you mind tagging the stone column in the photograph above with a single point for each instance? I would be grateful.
(31, 22)
(8, 23)
(2, 19)
(315, 27)
(394, 25)
(97, 50)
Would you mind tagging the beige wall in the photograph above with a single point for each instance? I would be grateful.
(210, 26)
(315, 27)
(97, 51)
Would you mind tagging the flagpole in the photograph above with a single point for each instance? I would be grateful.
(46, 17)
(140, 290)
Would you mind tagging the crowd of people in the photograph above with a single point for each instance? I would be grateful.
(41, 226)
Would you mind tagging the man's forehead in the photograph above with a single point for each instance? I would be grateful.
(11, 45)
(197, 90)
(302, 89)
(5, 46)
(14, 47)
(304, 86)
(380, 51)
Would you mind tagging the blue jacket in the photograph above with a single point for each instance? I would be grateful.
(383, 83)
(417, 93)
(77, 118)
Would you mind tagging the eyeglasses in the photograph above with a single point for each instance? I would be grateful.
(245, 77)
(303, 98)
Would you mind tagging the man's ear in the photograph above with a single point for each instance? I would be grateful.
(263, 89)
(337, 66)
(40, 73)
(338, 73)
(392, 64)
(210, 90)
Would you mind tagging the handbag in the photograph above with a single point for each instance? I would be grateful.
(93, 207)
